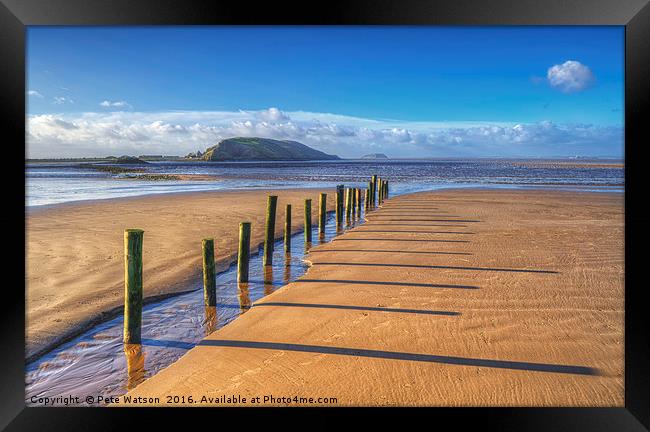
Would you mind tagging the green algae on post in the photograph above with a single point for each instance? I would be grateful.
(133, 285)
(243, 256)
(307, 221)
(209, 277)
(322, 213)
(269, 230)
(287, 229)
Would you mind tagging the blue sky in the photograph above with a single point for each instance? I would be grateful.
(405, 91)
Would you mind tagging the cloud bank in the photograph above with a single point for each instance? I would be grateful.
(181, 132)
(570, 76)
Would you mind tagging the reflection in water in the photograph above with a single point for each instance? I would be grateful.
(287, 268)
(210, 321)
(268, 280)
(96, 362)
(134, 365)
(244, 297)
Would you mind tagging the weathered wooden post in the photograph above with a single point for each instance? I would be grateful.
(348, 203)
(366, 201)
(373, 198)
(381, 192)
(133, 285)
(307, 221)
(338, 209)
(209, 281)
(386, 189)
(359, 203)
(287, 229)
(269, 230)
(322, 213)
(353, 202)
(339, 192)
(243, 256)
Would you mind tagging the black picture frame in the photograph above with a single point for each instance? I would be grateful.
(15, 15)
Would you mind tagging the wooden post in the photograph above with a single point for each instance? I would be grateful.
(386, 189)
(269, 230)
(133, 285)
(359, 203)
(366, 199)
(338, 208)
(348, 203)
(243, 257)
(322, 213)
(340, 190)
(307, 221)
(381, 191)
(373, 197)
(287, 229)
(353, 201)
(209, 281)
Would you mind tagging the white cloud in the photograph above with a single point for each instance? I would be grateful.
(180, 132)
(115, 104)
(272, 114)
(570, 76)
(60, 100)
(34, 93)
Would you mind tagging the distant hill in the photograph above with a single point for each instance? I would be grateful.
(246, 149)
(374, 156)
(129, 160)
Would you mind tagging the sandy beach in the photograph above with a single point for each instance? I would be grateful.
(75, 252)
(448, 298)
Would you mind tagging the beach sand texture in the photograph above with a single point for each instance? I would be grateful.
(449, 298)
(75, 252)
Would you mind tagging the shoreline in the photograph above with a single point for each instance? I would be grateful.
(115, 312)
(57, 297)
(454, 186)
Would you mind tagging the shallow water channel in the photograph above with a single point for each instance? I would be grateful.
(97, 363)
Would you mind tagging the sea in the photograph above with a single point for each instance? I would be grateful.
(55, 183)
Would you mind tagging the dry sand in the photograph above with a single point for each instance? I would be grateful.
(472, 298)
(75, 252)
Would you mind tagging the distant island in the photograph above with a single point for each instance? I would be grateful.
(254, 149)
(374, 156)
(129, 160)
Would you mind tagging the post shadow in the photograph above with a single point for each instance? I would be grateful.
(360, 308)
(393, 355)
(435, 267)
(405, 284)
(415, 232)
(424, 220)
(392, 251)
(401, 240)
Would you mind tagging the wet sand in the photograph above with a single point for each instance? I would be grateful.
(452, 298)
(75, 251)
